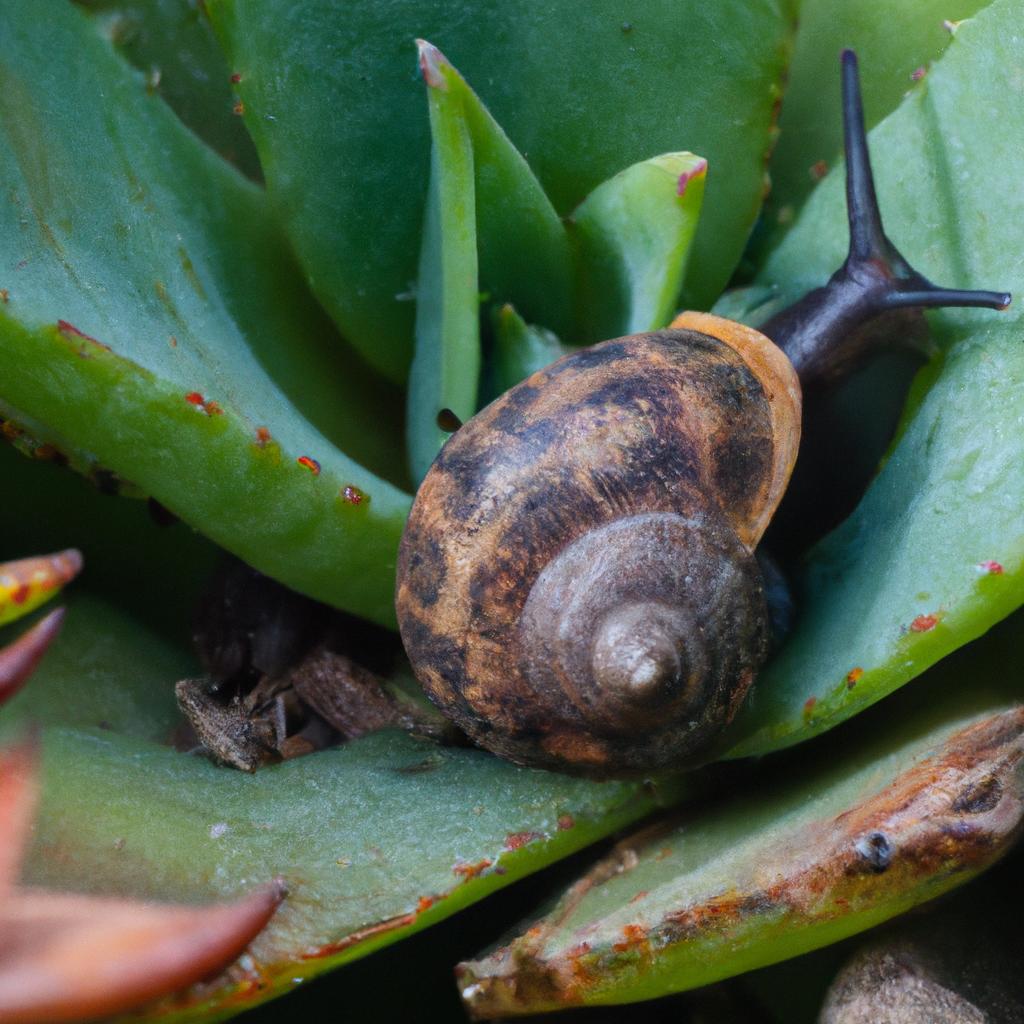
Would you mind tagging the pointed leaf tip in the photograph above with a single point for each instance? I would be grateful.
(431, 62)
(19, 659)
(699, 170)
(92, 957)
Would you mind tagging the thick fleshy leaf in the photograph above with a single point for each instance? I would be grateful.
(375, 840)
(896, 41)
(519, 349)
(488, 227)
(172, 43)
(29, 582)
(903, 808)
(633, 234)
(490, 230)
(338, 119)
(152, 325)
(934, 554)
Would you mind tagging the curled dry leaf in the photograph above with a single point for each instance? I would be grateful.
(755, 881)
(65, 957)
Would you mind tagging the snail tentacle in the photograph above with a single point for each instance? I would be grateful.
(821, 333)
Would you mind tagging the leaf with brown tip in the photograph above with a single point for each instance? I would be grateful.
(850, 839)
(19, 659)
(74, 958)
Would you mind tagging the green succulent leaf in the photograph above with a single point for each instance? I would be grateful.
(172, 43)
(376, 840)
(623, 252)
(934, 554)
(519, 350)
(855, 833)
(153, 328)
(896, 41)
(337, 116)
(484, 206)
(633, 234)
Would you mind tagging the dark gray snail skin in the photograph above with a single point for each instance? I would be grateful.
(577, 585)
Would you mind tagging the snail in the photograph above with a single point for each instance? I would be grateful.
(577, 583)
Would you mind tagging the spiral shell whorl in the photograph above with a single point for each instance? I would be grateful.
(640, 631)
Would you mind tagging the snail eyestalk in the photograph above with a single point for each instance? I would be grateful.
(820, 333)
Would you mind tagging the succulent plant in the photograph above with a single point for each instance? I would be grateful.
(257, 256)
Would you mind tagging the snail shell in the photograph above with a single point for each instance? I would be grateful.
(576, 583)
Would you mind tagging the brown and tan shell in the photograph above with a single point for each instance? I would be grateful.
(576, 583)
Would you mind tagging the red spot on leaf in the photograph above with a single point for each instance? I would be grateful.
(263, 437)
(353, 495)
(238, 108)
(424, 903)
(632, 935)
(639, 896)
(566, 822)
(208, 406)
(578, 950)
(71, 331)
(924, 623)
(853, 677)
(918, 73)
(992, 568)
(809, 705)
(468, 871)
(818, 170)
(515, 840)
(311, 464)
(236, 78)
(5, 295)
(20, 593)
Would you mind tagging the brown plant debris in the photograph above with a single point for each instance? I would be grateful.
(289, 676)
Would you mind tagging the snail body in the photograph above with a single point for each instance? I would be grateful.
(577, 587)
